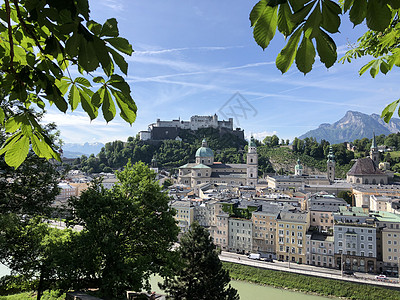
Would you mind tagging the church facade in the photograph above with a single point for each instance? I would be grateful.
(206, 170)
(366, 171)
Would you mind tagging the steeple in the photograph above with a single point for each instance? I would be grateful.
(252, 163)
(330, 165)
(204, 143)
(298, 169)
(373, 152)
(373, 145)
(331, 156)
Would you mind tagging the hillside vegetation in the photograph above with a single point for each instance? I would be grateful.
(275, 156)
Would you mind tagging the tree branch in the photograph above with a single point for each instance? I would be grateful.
(10, 38)
(27, 30)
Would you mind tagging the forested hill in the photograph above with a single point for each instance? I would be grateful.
(227, 148)
(170, 154)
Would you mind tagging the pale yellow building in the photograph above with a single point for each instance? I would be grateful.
(291, 236)
(264, 232)
(184, 214)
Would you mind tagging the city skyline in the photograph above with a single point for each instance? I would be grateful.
(191, 58)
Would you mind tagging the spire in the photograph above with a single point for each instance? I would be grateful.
(251, 142)
(204, 143)
(373, 145)
(331, 156)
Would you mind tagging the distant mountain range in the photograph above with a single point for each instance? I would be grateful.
(354, 125)
(73, 150)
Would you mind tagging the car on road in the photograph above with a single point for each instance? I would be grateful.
(348, 272)
(268, 259)
(381, 277)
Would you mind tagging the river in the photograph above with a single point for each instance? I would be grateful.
(247, 291)
(251, 291)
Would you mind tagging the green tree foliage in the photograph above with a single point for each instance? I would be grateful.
(29, 247)
(40, 42)
(309, 26)
(34, 250)
(347, 196)
(200, 275)
(170, 153)
(127, 231)
(30, 189)
(271, 141)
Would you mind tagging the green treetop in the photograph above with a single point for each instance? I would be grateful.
(39, 42)
(200, 275)
(127, 231)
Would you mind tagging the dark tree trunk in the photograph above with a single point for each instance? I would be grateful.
(41, 284)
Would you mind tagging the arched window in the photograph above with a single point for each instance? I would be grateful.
(366, 181)
(382, 182)
(373, 181)
(358, 180)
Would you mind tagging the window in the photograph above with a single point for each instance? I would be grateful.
(370, 238)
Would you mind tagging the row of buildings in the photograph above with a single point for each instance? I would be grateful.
(319, 230)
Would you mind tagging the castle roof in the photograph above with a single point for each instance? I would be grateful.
(364, 166)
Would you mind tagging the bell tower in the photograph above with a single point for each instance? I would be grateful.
(373, 152)
(330, 165)
(252, 163)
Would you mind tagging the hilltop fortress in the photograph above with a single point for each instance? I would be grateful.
(170, 130)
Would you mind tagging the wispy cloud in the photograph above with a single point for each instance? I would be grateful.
(206, 71)
(172, 50)
(76, 127)
(115, 5)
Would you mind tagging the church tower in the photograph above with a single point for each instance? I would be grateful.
(154, 166)
(252, 163)
(374, 153)
(330, 165)
(298, 169)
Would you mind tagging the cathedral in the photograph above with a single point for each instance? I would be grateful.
(206, 170)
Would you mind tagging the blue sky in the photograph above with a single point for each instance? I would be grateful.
(191, 57)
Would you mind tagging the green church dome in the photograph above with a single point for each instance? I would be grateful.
(204, 151)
